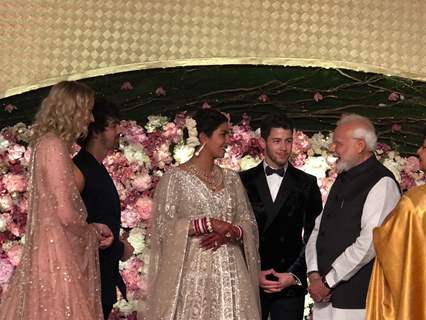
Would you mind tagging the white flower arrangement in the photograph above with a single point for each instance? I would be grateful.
(137, 239)
(155, 122)
(135, 153)
(191, 126)
(182, 153)
(248, 162)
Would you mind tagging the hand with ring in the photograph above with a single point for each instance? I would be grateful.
(212, 241)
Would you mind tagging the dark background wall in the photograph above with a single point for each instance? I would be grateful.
(314, 97)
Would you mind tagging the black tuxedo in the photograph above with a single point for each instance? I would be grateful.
(281, 223)
(103, 206)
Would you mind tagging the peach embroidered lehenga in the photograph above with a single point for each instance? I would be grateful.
(58, 277)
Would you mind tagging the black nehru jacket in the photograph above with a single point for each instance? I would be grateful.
(341, 225)
(103, 206)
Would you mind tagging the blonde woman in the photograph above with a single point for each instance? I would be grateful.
(58, 277)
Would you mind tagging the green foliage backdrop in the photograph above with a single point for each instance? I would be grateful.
(314, 97)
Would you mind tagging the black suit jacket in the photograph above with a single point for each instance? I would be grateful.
(103, 206)
(286, 224)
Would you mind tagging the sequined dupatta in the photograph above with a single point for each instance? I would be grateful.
(58, 276)
(186, 283)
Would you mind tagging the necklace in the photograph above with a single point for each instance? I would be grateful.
(213, 179)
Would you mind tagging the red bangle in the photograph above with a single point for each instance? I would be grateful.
(195, 226)
(240, 232)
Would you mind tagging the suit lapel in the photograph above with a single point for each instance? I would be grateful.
(283, 193)
(263, 190)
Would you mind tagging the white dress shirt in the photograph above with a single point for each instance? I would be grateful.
(274, 180)
(380, 201)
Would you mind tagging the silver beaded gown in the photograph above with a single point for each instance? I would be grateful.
(187, 282)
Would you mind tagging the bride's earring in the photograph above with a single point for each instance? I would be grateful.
(197, 153)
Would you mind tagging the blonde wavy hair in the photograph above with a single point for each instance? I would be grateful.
(66, 112)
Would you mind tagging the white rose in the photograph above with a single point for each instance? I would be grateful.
(248, 162)
(134, 154)
(190, 123)
(3, 225)
(182, 153)
(137, 239)
(192, 132)
(192, 142)
(4, 144)
(316, 166)
(6, 203)
(126, 307)
(394, 168)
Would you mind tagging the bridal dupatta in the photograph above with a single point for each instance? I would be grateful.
(187, 282)
(58, 277)
(398, 283)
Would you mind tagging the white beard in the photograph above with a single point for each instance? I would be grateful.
(342, 166)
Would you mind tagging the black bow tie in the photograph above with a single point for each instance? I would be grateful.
(269, 171)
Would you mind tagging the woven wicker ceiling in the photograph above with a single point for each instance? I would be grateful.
(44, 41)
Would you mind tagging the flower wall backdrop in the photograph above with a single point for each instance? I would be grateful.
(144, 154)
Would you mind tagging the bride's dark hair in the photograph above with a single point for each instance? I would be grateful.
(208, 120)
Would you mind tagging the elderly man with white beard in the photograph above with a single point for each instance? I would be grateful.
(340, 251)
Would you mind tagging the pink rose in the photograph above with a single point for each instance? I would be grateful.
(206, 106)
(16, 152)
(171, 131)
(318, 97)
(14, 254)
(10, 108)
(299, 160)
(162, 156)
(6, 269)
(27, 157)
(15, 183)
(23, 203)
(142, 182)
(132, 277)
(407, 181)
(130, 217)
(393, 96)
(263, 98)
(160, 92)
(144, 206)
(126, 86)
(412, 164)
(396, 127)
(301, 142)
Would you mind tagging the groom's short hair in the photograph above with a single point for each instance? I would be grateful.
(274, 121)
(104, 112)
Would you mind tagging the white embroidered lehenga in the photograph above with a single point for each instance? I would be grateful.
(188, 282)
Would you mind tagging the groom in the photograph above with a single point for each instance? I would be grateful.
(101, 197)
(285, 201)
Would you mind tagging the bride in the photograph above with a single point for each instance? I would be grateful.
(204, 241)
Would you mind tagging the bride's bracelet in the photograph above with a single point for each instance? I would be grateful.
(237, 233)
(240, 233)
(202, 226)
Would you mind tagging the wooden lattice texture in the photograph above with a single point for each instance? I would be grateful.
(43, 41)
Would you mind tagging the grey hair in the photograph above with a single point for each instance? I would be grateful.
(365, 129)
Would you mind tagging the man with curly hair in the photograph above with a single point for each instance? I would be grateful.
(101, 197)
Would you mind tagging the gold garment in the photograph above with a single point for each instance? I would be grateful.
(398, 283)
(189, 283)
(58, 277)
